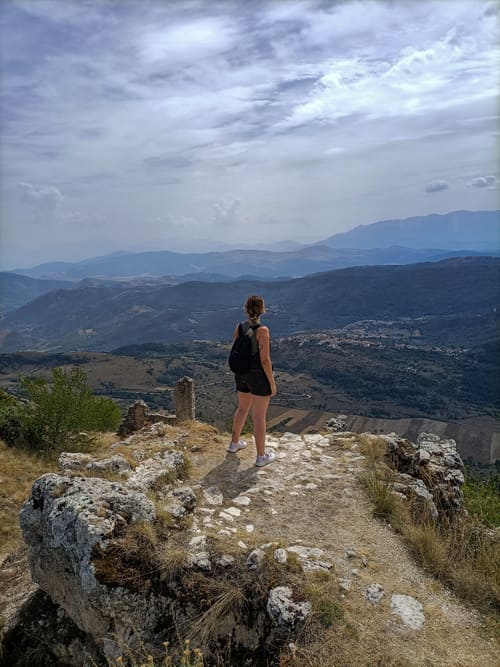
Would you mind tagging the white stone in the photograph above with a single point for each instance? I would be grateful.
(255, 558)
(345, 584)
(351, 553)
(311, 486)
(242, 500)
(315, 565)
(281, 556)
(242, 545)
(374, 593)
(305, 552)
(409, 610)
(249, 528)
(235, 511)
(284, 612)
(213, 495)
(226, 516)
(312, 438)
(226, 560)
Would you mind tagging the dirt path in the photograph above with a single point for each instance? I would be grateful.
(311, 496)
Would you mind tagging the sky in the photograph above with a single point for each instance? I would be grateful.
(155, 125)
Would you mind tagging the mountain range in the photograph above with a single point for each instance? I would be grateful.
(419, 239)
(461, 230)
(91, 317)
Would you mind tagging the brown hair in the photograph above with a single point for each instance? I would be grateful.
(255, 307)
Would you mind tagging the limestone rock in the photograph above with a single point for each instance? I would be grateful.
(255, 558)
(415, 489)
(436, 468)
(150, 472)
(186, 496)
(213, 495)
(64, 522)
(73, 461)
(284, 612)
(226, 560)
(281, 556)
(115, 463)
(409, 610)
(337, 423)
(374, 593)
(198, 553)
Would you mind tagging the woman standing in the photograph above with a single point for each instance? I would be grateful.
(256, 387)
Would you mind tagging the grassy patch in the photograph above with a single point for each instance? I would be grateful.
(482, 498)
(19, 469)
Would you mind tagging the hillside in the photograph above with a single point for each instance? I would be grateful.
(103, 318)
(230, 539)
(16, 290)
(472, 230)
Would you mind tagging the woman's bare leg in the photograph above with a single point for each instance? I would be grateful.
(244, 403)
(259, 411)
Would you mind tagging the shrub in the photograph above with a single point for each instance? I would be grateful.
(482, 498)
(56, 413)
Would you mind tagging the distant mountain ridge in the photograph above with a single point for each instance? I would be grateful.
(105, 318)
(418, 239)
(458, 230)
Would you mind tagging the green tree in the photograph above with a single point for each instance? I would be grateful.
(55, 414)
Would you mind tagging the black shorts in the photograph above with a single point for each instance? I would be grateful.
(254, 382)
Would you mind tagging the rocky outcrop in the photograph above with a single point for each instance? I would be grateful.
(431, 472)
(138, 416)
(130, 561)
(93, 548)
(65, 523)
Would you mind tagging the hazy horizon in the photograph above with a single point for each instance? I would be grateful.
(131, 126)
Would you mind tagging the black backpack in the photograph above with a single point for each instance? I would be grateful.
(244, 349)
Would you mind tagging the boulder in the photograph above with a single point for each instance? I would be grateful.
(431, 471)
(284, 612)
(65, 523)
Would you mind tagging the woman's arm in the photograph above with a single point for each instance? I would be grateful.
(236, 332)
(263, 338)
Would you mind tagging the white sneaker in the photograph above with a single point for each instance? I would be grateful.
(265, 460)
(236, 446)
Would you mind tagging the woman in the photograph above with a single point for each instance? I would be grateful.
(256, 387)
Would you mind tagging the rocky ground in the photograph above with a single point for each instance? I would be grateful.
(308, 505)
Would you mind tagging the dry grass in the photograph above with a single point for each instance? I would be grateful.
(186, 657)
(130, 560)
(463, 553)
(226, 604)
(19, 469)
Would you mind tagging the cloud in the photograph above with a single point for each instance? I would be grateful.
(298, 108)
(46, 197)
(483, 182)
(227, 213)
(437, 186)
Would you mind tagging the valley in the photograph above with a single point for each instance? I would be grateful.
(371, 369)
